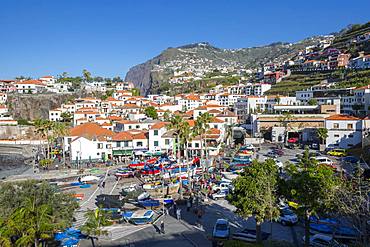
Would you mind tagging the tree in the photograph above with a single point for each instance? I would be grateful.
(352, 201)
(322, 134)
(151, 112)
(135, 92)
(166, 116)
(66, 117)
(33, 211)
(43, 128)
(312, 101)
(176, 124)
(255, 193)
(312, 186)
(200, 129)
(284, 120)
(96, 219)
(86, 75)
(60, 130)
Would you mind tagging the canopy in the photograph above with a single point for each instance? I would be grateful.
(139, 153)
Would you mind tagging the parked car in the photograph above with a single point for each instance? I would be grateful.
(324, 160)
(279, 152)
(219, 195)
(287, 217)
(272, 154)
(249, 235)
(221, 186)
(350, 160)
(322, 240)
(221, 229)
(293, 140)
(315, 146)
(337, 152)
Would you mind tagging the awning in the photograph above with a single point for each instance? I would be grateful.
(122, 152)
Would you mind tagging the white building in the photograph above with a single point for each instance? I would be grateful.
(343, 131)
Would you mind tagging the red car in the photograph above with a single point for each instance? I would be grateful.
(293, 140)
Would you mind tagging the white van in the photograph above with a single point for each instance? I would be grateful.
(324, 160)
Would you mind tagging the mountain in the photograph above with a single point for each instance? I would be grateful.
(197, 60)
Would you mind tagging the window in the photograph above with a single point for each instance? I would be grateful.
(137, 126)
(69, 140)
(155, 132)
(108, 146)
(197, 145)
(336, 125)
(155, 143)
(100, 145)
(139, 144)
(167, 141)
(336, 135)
(118, 144)
(97, 154)
(129, 127)
(125, 143)
(349, 126)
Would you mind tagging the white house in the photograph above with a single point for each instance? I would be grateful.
(344, 131)
(88, 142)
(29, 86)
(156, 142)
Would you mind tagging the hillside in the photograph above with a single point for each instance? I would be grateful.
(203, 58)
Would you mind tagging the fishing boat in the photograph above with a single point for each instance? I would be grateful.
(230, 175)
(124, 173)
(150, 203)
(136, 165)
(139, 217)
(151, 186)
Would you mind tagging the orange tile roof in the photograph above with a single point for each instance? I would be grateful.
(159, 125)
(214, 111)
(364, 87)
(36, 82)
(122, 136)
(192, 97)
(217, 120)
(115, 118)
(90, 131)
(191, 123)
(342, 117)
(140, 135)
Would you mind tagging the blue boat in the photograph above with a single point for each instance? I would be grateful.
(337, 230)
(139, 217)
(149, 203)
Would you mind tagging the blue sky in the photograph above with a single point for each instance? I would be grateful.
(107, 37)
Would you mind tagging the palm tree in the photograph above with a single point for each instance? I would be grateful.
(322, 134)
(32, 223)
(43, 128)
(284, 121)
(60, 131)
(186, 136)
(200, 129)
(176, 123)
(86, 75)
(95, 220)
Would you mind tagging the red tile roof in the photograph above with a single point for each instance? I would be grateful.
(159, 125)
(90, 131)
(342, 117)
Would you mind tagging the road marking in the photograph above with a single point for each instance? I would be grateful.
(105, 177)
(114, 186)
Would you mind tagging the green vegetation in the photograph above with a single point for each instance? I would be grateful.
(298, 81)
(312, 187)
(322, 134)
(108, 93)
(151, 112)
(31, 212)
(95, 220)
(23, 122)
(135, 92)
(255, 194)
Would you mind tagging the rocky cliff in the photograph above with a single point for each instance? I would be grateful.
(197, 57)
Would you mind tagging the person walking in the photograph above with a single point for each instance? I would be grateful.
(188, 205)
(174, 208)
(178, 214)
(162, 227)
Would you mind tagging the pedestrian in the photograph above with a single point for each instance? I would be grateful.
(174, 208)
(79, 179)
(178, 214)
(103, 185)
(188, 205)
(162, 227)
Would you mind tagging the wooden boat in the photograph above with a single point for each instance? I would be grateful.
(139, 217)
